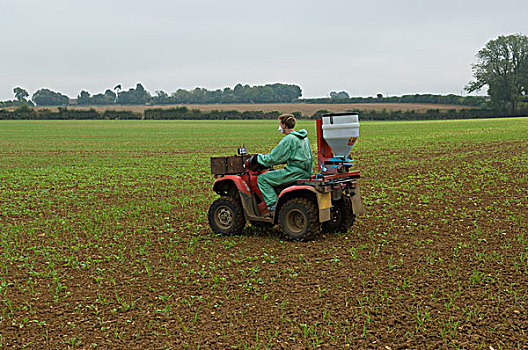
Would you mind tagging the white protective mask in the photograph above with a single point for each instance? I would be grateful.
(280, 129)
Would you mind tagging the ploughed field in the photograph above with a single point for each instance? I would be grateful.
(104, 241)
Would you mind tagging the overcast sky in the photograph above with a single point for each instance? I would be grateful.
(362, 47)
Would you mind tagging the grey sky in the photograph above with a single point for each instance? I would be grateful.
(363, 47)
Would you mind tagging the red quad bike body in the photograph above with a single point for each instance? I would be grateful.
(326, 202)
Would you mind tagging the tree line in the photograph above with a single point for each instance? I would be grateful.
(451, 99)
(25, 112)
(269, 93)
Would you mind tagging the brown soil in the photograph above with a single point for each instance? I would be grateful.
(438, 261)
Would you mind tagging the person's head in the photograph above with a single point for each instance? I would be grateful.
(287, 122)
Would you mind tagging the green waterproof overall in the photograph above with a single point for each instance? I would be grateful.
(294, 150)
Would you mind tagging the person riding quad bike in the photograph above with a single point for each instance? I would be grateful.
(294, 150)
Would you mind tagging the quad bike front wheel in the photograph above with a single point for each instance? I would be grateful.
(226, 216)
(299, 219)
(342, 217)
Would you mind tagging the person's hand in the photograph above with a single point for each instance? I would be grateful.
(253, 160)
(252, 163)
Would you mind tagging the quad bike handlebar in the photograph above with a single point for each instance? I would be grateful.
(252, 164)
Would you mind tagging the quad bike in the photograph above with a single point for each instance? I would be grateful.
(326, 202)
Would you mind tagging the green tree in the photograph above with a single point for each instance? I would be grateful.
(181, 96)
(502, 66)
(20, 94)
(285, 92)
(46, 97)
(84, 98)
(137, 96)
(241, 92)
(98, 100)
(109, 97)
(339, 95)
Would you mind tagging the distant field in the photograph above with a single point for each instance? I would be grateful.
(105, 244)
(304, 108)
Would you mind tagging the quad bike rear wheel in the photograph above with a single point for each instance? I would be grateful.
(299, 219)
(226, 216)
(342, 217)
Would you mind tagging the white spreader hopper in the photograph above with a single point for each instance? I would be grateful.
(340, 132)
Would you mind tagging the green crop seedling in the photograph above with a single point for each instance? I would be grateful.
(104, 241)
